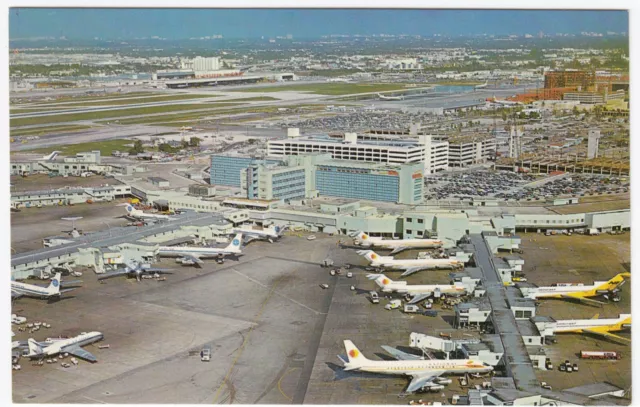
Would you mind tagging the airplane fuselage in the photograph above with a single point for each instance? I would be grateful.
(393, 244)
(605, 324)
(80, 340)
(201, 252)
(406, 367)
(402, 287)
(31, 290)
(394, 264)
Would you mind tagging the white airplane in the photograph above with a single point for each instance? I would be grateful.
(31, 290)
(51, 156)
(409, 265)
(71, 345)
(418, 292)
(503, 102)
(383, 97)
(271, 233)
(364, 240)
(596, 326)
(194, 255)
(137, 214)
(134, 269)
(424, 373)
(578, 291)
(484, 85)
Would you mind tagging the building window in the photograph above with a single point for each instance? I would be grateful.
(408, 231)
(420, 221)
(530, 340)
(409, 219)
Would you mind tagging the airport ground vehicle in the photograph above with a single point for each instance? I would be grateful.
(374, 297)
(410, 308)
(205, 354)
(600, 355)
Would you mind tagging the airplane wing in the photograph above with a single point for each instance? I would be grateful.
(250, 238)
(397, 250)
(419, 297)
(400, 355)
(579, 298)
(412, 270)
(195, 259)
(79, 352)
(66, 290)
(158, 270)
(69, 282)
(15, 294)
(607, 335)
(421, 379)
(115, 273)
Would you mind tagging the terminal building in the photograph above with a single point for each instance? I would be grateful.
(431, 153)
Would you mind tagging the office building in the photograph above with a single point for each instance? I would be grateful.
(226, 168)
(432, 153)
(312, 175)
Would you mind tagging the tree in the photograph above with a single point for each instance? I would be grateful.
(165, 148)
(575, 111)
(194, 142)
(504, 116)
(184, 143)
(137, 148)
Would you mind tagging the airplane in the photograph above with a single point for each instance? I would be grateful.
(579, 291)
(418, 292)
(31, 290)
(133, 269)
(194, 255)
(424, 373)
(503, 102)
(362, 239)
(136, 214)
(409, 265)
(484, 85)
(596, 326)
(70, 345)
(51, 156)
(271, 233)
(383, 97)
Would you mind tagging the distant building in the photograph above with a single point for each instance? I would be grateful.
(432, 153)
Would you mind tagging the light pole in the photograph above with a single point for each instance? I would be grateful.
(109, 227)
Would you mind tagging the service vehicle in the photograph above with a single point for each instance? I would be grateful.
(205, 354)
(324, 286)
(375, 299)
(600, 355)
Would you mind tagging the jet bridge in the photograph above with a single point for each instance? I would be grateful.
(433, 343)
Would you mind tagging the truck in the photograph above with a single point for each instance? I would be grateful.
(600, 355)
(411, 308)
(393, 304)
(205, 353)
(374, 297)
(593, 232)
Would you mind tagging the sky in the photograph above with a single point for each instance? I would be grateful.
(254, 23)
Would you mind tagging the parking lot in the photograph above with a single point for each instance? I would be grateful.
(474, 184)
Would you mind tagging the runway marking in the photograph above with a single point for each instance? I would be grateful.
(244, 342)
(97, 401)
(279, 383)
(277, 293)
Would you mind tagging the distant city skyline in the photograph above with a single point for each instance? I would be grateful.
(301, 23)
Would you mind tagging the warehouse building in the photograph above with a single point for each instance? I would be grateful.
(424, 149)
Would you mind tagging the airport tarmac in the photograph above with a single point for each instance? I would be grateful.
(260, 314)
(31, 225)
(580, 259)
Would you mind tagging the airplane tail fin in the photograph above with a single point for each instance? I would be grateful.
(380, 279)
(618, 280)
(235, 244)
(34, 347)
(369, 255)
(596, 316)
(54, 286)
(353, 353)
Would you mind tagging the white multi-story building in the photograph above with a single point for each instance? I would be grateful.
(468, 150)
(433, 153)
(201, 64)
